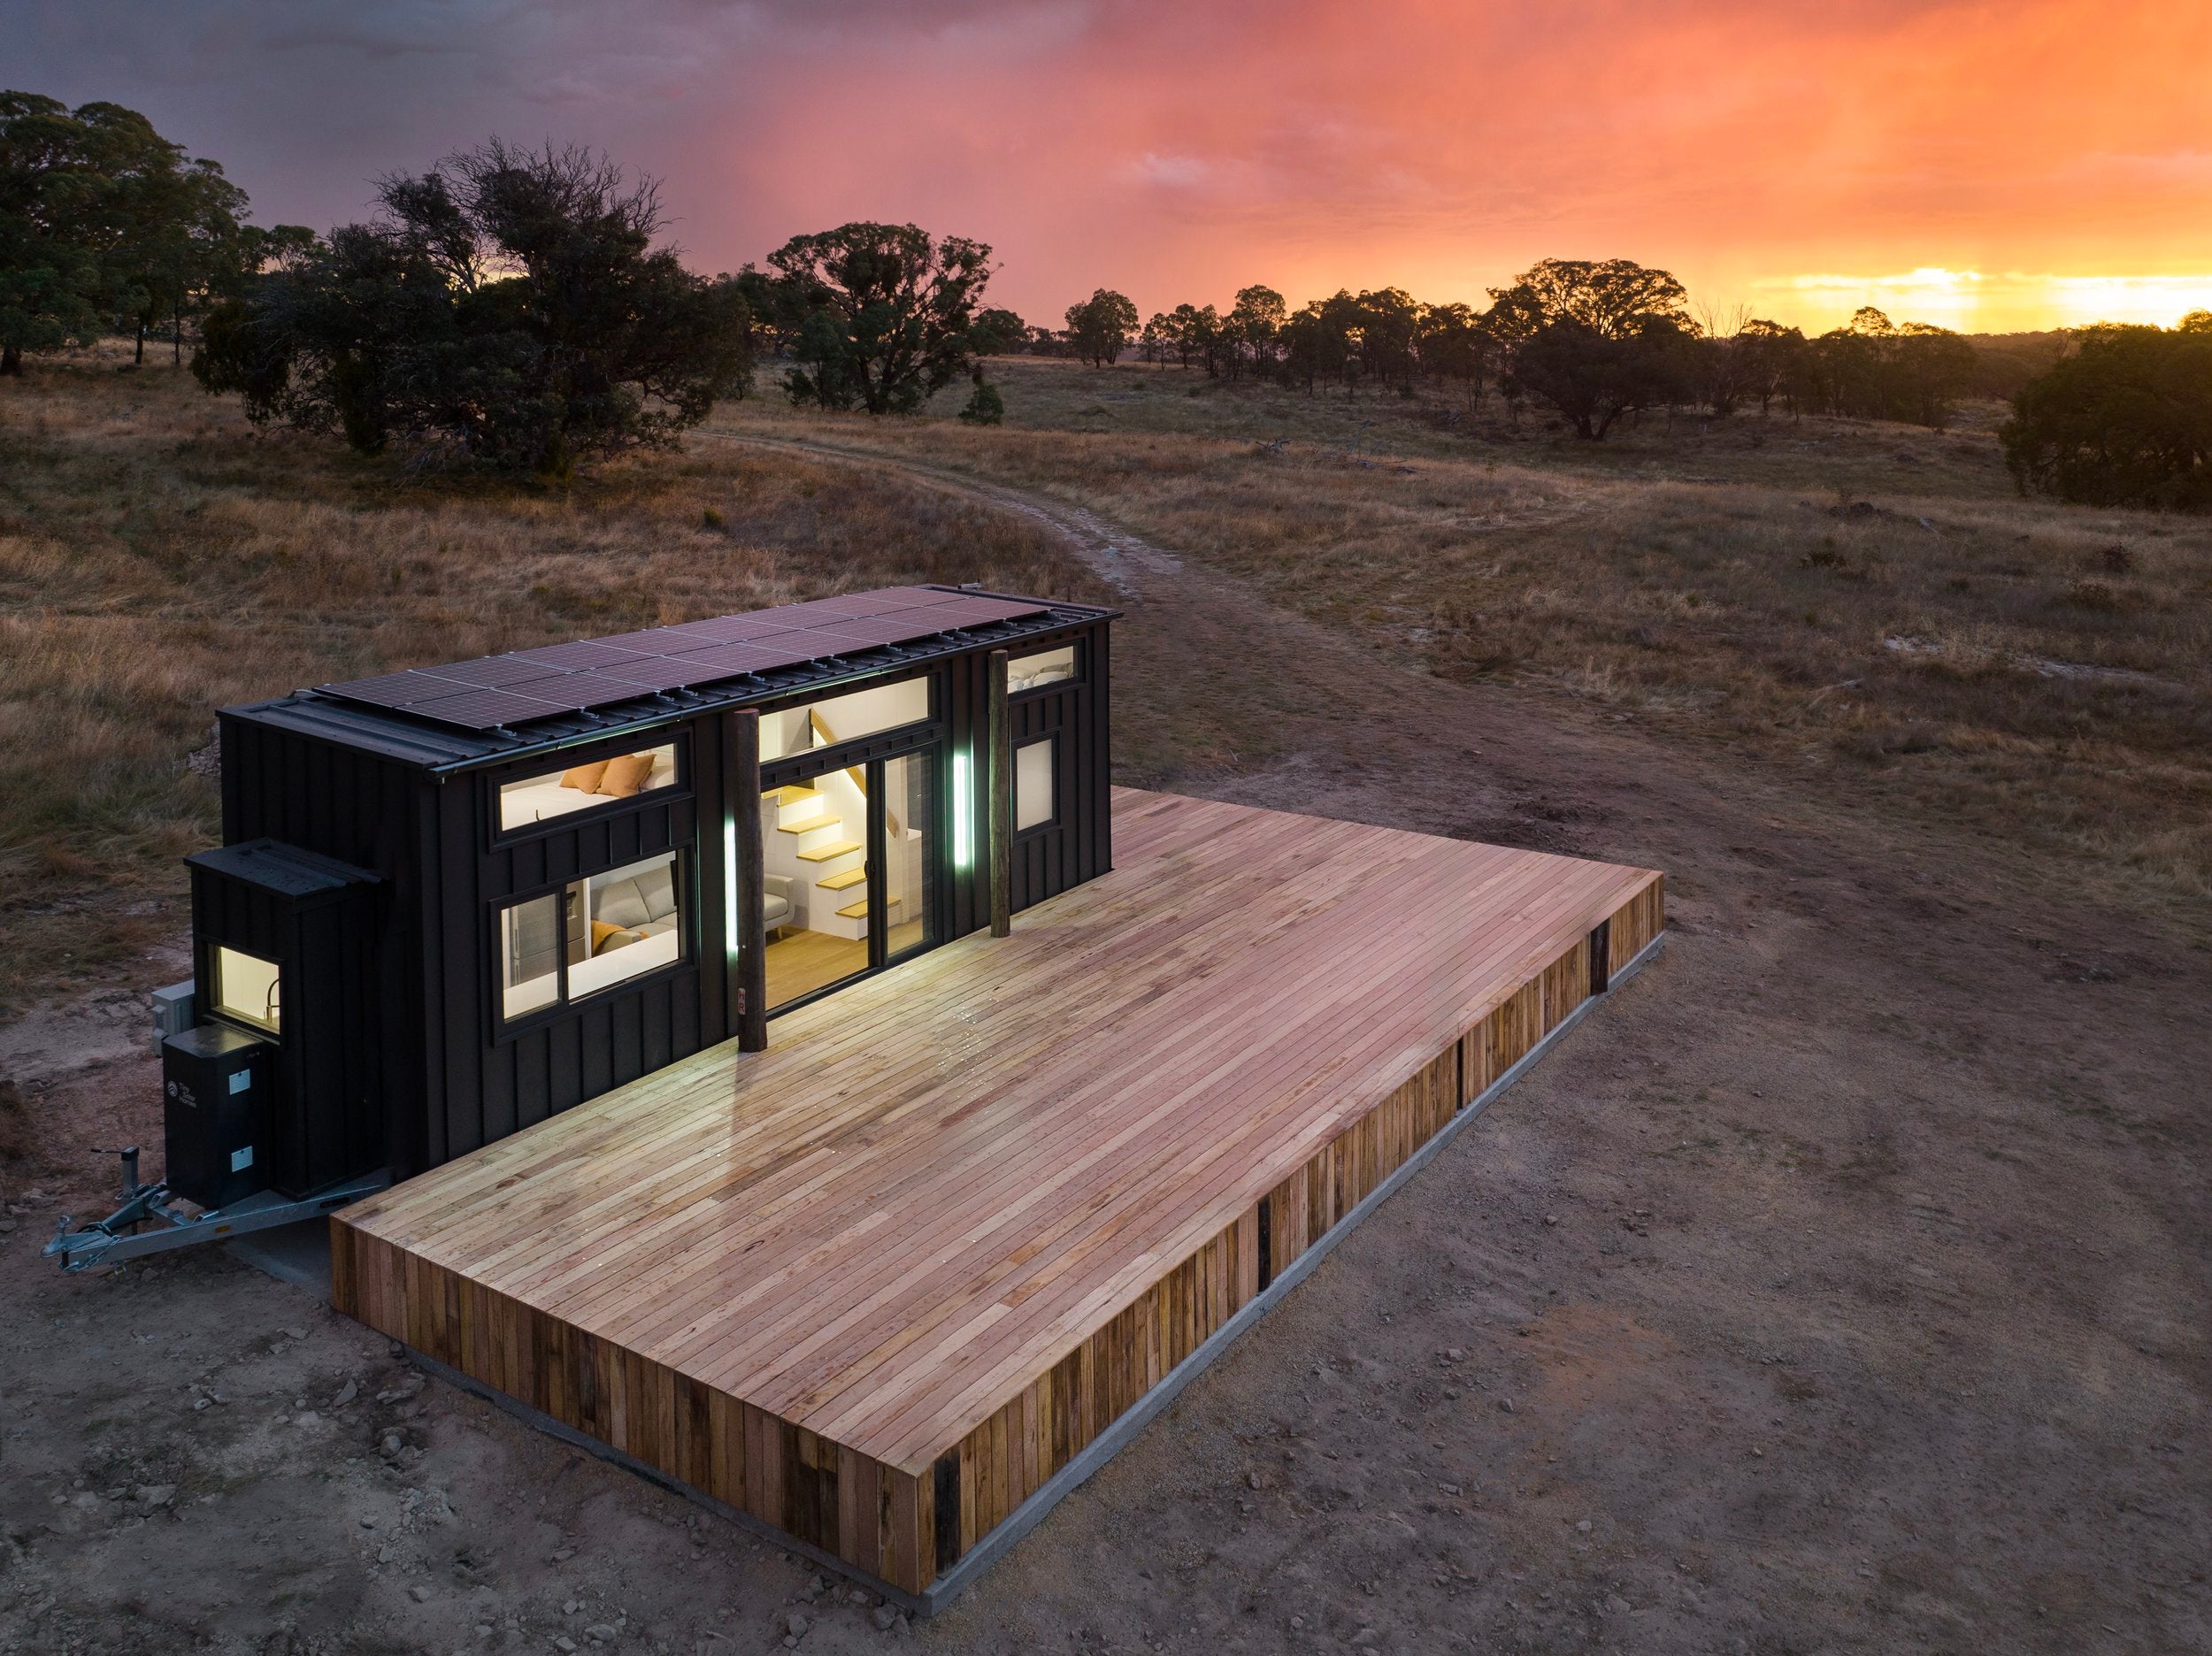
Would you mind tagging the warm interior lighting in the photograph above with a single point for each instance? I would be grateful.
(963, 814)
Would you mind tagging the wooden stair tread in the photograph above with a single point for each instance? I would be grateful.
(855, 911)
(824, 854)
(793, 796)
(809, 825)
(844, 877)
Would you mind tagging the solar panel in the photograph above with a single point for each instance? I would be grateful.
(493, 691)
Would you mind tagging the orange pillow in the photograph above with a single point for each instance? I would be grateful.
(625, 776)
(601, 931)
(584, 778)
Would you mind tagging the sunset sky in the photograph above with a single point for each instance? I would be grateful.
(1986, 166)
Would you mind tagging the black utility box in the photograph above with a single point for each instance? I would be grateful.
(215, 1083)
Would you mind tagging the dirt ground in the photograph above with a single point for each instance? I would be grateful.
(1842, 1286)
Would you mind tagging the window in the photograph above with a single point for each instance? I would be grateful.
(1046, 667)
(843, 718)
(1035, 773)
(590, 935)
(586, 787)
(247, 988)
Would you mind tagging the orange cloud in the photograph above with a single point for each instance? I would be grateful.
(1177, 151)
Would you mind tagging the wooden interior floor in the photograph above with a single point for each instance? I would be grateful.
(800, 962)
(875, 1284)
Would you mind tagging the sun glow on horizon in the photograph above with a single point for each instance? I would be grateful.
(1979, 302)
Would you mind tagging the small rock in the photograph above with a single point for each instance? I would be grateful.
(198, 1403)
(346, 1394)
(1253, 1479)
(600, 1633)
(155, 1494)
(367, 1522)
(796, 1625)
(295, 1333)
(419, 1593)
(1505, 1405)
(7, 1227)
(1297, 1623)
(1758, 1453)
(1551, 1218)
(1582, 1526)
(390, 1445)
(884, 1616)
(1454, 1353)
(309, 1418)
(563, 1643)
(563, 1555)
(1366, 1638)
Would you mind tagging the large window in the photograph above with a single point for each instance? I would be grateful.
(1036, 802)
(584, 788)
(590, 935)
(1045, 667)
(843, 718)
(246, 988)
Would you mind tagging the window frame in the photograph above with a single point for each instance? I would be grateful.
(933, 681)
(215, 948)
(505, 1029)
(1081, 676)
(676, 735)
(1048, 739)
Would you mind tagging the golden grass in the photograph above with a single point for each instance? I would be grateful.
(1870, 606)
(158, 561)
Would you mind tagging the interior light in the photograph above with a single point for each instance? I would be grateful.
(963, 814)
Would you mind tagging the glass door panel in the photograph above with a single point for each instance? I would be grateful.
(814, 839)
(909, 873)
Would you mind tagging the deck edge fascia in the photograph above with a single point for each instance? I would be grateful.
(1125, 1427)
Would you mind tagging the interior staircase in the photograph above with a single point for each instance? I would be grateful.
(823, 841)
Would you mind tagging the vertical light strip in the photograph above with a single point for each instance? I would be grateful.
(729, 887)
(963, 814)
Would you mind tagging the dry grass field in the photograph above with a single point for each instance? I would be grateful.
(1871, 606)
(157, 561)
(1839, 1286)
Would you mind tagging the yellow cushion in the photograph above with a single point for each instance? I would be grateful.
(601, 931)
(585, 778)
(625, 776)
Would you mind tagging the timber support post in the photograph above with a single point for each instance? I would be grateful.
(749, 972)
(1001, 802)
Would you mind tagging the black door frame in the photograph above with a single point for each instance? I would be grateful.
(870, 755)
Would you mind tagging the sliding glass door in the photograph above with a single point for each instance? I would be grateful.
(848, 873)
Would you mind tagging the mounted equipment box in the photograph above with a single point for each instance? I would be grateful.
(216, 1087)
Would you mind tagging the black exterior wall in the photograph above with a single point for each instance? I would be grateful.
(451, 1077)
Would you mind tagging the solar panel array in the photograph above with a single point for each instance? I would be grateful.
(496, 691)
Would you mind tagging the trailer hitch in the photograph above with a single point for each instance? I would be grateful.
(111, 1240)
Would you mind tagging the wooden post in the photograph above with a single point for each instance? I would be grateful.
(749, 973)
(1001, 802)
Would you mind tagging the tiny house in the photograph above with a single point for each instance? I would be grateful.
(452, 902)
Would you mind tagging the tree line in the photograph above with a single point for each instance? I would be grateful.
(517, 309)
(1591, 341)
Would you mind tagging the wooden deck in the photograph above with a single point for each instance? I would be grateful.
(876, 1286)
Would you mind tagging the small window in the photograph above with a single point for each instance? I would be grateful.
(843, 718)
(586, 787)
(1046, 667)
(247, 988)
(1035, 801)
(590, 935)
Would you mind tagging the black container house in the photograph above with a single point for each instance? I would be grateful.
(456, 901)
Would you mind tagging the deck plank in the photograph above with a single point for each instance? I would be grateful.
(942, 1182)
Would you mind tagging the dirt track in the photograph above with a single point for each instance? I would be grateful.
(1841, 1286)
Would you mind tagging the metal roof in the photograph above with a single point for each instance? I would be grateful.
(409, 732)
(498, 692)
